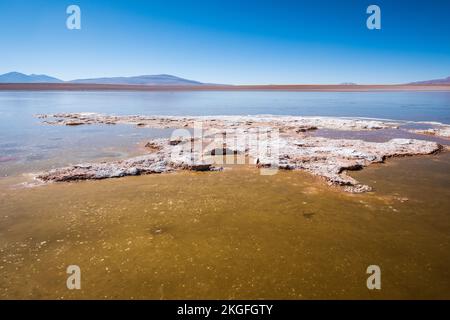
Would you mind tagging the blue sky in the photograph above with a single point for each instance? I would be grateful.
(236, 42)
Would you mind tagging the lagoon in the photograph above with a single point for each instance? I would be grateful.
(27, 146)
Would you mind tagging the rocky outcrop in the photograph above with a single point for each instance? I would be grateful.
(291, 148)
(286, 123)
(159, 161)
(332, 158)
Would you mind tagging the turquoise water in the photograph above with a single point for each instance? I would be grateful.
(26, 145)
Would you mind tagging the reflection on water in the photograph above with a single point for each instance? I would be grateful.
(232, 234)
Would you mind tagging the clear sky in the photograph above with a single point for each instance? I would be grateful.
(229, 41)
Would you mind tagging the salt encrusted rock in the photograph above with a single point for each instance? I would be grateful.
(358, 188)
(442, 131)
(324, 157)
(299, 124)
(139, 165)
(331, 158)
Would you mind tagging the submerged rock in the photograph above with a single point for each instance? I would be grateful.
(152, 147)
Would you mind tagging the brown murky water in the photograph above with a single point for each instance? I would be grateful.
(231, 235)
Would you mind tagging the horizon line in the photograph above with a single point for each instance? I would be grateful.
(287, 88)
(343, 83)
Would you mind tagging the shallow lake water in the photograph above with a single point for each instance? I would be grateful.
(27, 145)
(234, 234)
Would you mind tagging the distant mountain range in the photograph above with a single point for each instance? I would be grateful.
(151, 80)
(160, 79)
(17, 77)
(435, 81)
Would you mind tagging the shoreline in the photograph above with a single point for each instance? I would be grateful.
(294, 88)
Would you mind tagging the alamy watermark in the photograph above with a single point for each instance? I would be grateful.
(374, 20)
(74, 280)
(73, 21)
(374, 280)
